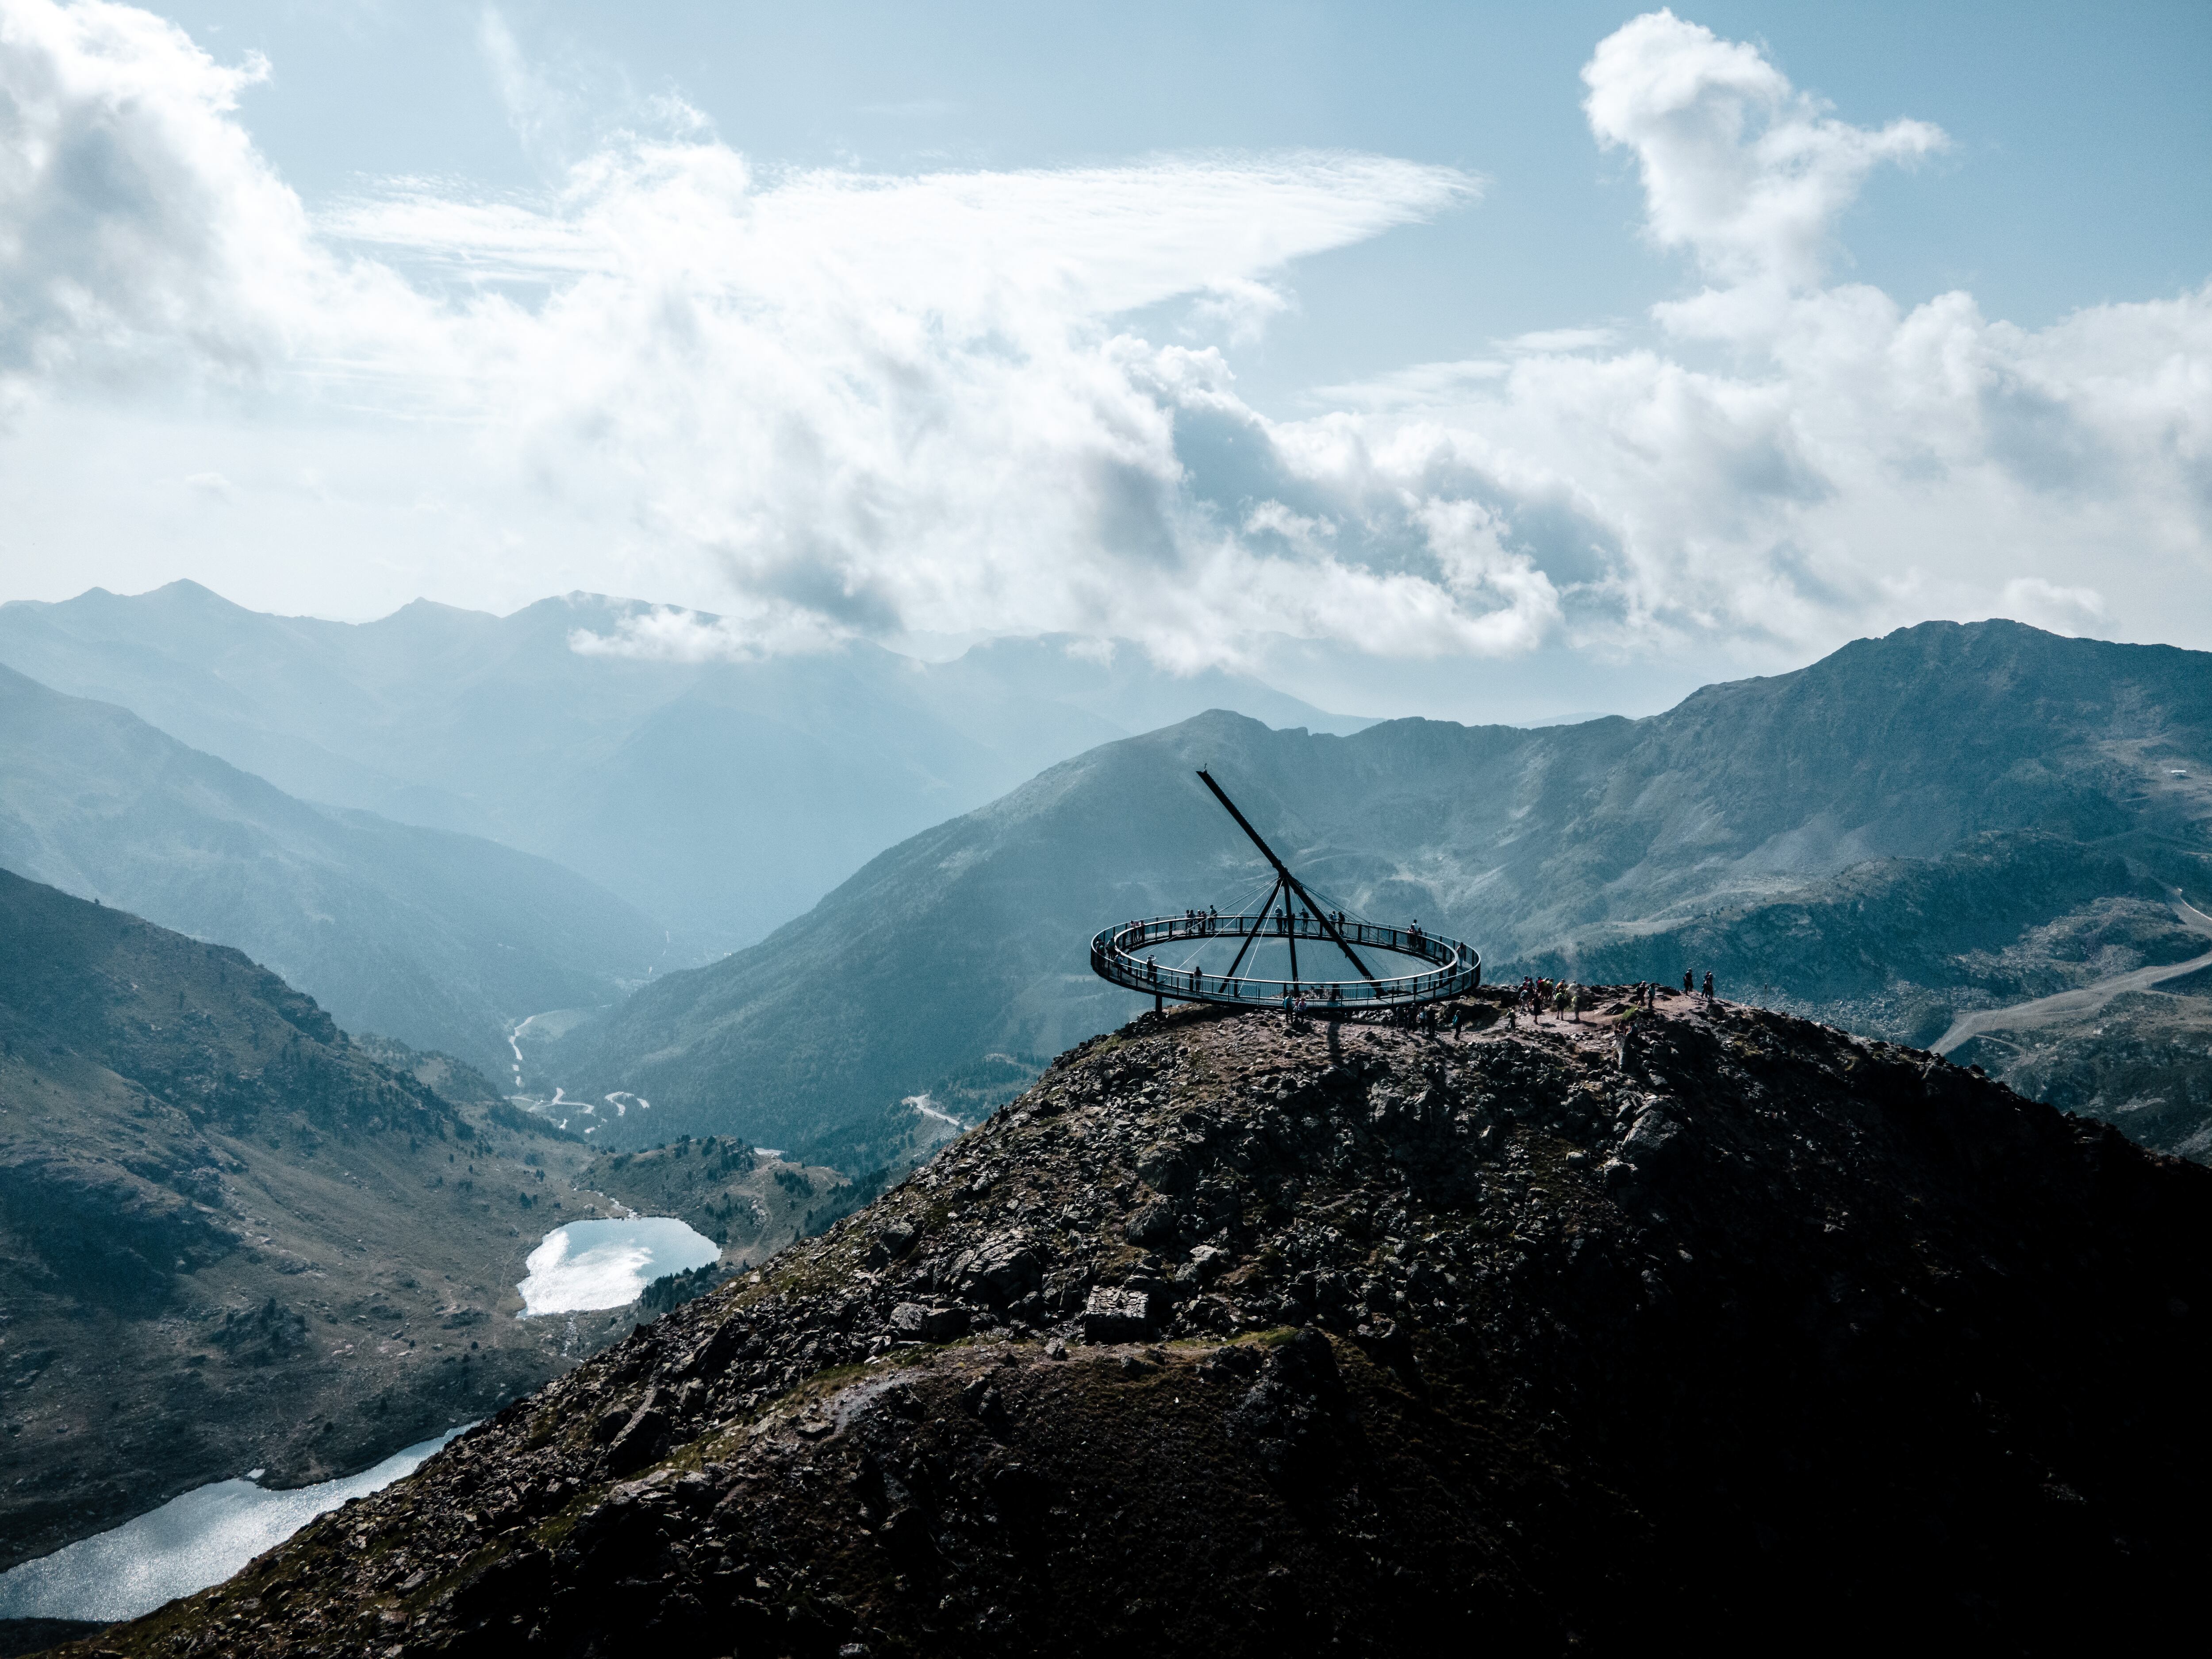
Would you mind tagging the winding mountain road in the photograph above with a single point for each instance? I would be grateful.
(2084, 1000)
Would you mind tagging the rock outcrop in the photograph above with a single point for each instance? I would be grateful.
(1229, 1338)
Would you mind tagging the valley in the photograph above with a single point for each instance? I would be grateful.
(235, 1238)
(2075, 1007)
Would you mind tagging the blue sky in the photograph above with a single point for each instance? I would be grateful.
(1419, 357)
(2070, 181)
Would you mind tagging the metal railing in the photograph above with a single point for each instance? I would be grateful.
(1114, 957)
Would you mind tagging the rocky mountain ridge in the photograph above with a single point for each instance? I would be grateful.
(1230, 1336)
(1948, 818)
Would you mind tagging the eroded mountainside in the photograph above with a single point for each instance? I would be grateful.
(231, 1238)
(1229, 1338)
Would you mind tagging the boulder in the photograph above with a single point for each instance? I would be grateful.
(999, 1271)
(1153, 1225)
(712, 1356)
(1117, 1315)
(892, 1241)
(1205, 1261)
(1167, 1169)
(1649, 1137)
(912, 1321)
(641, 1438)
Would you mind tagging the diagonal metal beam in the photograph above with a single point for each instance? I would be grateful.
(1283, 871)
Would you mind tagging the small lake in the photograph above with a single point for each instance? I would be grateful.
(191, 1542)
(608, 1264)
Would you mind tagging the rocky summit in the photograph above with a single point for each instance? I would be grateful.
(1235, 1336)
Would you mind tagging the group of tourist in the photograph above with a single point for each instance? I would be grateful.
(1536, 995)
(1644, 997)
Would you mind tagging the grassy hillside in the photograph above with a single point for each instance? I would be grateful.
(232, 1238)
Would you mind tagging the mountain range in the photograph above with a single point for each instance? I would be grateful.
(1949, 817)
(718, 793)
(440, 939)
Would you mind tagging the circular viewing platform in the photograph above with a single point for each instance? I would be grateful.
(1448, 968)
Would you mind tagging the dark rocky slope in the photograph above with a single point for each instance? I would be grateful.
(1226, 1338)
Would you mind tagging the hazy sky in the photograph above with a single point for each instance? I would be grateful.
(1464, 360)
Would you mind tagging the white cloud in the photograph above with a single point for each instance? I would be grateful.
(139, 228)
(1738, 167)
(2046, 604)
(669, 633)
(825, 403)
(1546, 340)
(1843, 463)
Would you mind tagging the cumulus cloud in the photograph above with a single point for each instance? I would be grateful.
(139, 228)
(845, 405)
(879, 405)
(1845, 463)
(1738, 165)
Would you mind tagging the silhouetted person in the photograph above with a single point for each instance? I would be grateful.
(1687, 981)
(1709, 985)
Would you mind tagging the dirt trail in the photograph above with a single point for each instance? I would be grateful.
(2084, 1002)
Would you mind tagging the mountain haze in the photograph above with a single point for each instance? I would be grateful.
(719, 796)
(440, 939)
(1951, 815)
